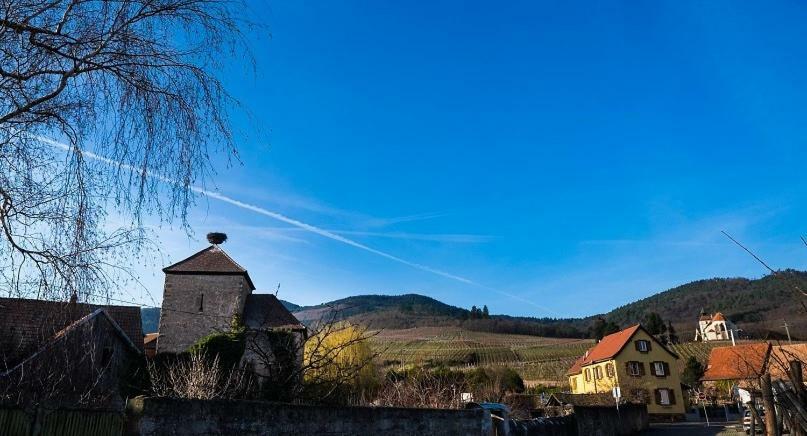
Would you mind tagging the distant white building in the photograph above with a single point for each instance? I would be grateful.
(715, 328)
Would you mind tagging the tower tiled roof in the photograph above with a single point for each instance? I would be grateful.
(211, 260)
(265, 311)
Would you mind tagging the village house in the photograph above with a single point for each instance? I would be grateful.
(636, 362)
(66, 353)
(206, 292)
(715, 328)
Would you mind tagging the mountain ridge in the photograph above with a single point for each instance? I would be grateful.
(758, 306)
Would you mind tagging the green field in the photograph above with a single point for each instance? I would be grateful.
(537, 359)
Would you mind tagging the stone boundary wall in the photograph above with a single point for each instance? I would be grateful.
(159, 416)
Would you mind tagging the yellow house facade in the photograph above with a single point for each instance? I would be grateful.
(639, 365)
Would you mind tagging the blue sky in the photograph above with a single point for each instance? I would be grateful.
(564, 158)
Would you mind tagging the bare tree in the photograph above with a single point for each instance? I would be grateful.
(104, 106)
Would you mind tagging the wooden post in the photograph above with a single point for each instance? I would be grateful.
(798, 387)
(797, 379)
(767, 402)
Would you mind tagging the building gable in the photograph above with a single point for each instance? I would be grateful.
(642, 334)
(209, 261)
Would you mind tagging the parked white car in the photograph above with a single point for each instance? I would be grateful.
(747, 421)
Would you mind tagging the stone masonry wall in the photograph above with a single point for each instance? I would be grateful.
(181, 322)
(152, 416)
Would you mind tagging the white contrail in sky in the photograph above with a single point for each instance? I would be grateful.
(290, 221)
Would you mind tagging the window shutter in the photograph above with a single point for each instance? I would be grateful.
(649, 345)
(636, 344)
(657, 394)
(666, 369)
(627, 368)
(641, 368)
(671, 393)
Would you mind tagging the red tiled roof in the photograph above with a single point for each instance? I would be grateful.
(149, 338)
(211, 260)
(781, 355)
(718, 317)
(577, 366)
(738, 362)
(26, 324)
(609, 347)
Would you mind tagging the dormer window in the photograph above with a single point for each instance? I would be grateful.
(643, 346)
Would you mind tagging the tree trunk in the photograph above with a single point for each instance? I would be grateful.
(767, 402)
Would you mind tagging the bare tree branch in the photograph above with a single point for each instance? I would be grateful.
(131, 80)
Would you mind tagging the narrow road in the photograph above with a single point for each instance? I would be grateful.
(695, 429)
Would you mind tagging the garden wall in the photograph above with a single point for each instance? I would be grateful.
(153, 416)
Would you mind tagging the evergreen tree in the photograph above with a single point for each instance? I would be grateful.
(485, 313)
(693, 371)
(654, 324)
(602, 328)
(672, 337)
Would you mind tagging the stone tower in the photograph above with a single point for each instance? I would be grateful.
(202, 294)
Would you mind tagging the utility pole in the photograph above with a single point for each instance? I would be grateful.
(787, 330)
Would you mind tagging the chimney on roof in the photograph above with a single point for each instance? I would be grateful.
(216, 238)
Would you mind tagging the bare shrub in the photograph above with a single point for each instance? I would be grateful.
(422, 388)
(196, 376)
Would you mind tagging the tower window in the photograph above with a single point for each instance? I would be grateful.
(201, 302)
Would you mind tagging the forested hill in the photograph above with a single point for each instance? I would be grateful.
(413, 310)
(758, 306)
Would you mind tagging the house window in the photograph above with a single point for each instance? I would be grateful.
(598, 372)
(573, 383)
(665, 397)
(635, 369)
(643, 346)
(588, 374)
(660, 369)
(201, 302)
(609, 370)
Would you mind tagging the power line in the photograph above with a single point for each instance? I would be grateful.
(749, 252)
